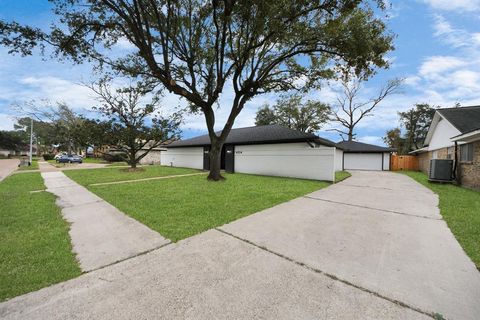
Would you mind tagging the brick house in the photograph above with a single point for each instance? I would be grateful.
(454, 129)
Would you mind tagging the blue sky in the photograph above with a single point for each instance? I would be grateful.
(437, 52)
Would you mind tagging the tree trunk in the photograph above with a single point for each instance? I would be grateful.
(133, 155)
(350, 135)
(215, 161)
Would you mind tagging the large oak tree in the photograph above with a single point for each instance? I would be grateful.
(197, 49)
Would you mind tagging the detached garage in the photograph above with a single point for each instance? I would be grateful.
(265, 150)
(363, 156)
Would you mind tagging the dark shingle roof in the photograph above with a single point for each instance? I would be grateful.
(256, 135)
(354, 146)
(465, 119)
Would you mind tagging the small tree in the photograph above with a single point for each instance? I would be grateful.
(137, 127)
(348, 111)
(291, 112)
(93, 133)
(393, 139)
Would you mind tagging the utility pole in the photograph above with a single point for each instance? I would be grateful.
(31, 141)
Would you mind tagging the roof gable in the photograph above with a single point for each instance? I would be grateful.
(465, 119)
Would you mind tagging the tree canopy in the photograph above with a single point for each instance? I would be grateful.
(197, 49)
(290, 111)
(416, 122)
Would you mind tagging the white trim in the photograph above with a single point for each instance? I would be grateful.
(468, 137)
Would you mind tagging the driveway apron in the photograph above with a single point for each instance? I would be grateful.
(100, 233)
(7, 166)
(380, 231)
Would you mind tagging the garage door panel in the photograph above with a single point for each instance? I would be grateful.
(362, 161)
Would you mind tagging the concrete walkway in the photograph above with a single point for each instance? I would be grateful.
(7, 166)
(100, 233)
(361, 249)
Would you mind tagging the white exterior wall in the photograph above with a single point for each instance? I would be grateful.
(5, 153)
(183, 157)
(363, 161)
(295, 160)
(386, 161)
(441, 136)
(338, 160)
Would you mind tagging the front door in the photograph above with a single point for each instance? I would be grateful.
(230, 159)
(206, 158)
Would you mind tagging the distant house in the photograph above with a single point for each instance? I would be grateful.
(454, 128)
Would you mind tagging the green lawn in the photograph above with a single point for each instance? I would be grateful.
(182, 207)
(460, 208)
(87, 177)
(34, 166)
(35, 249)
(341, 175)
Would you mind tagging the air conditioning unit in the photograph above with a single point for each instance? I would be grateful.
(441, 169)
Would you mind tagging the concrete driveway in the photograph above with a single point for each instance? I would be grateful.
(7, 166)
(380, 231)
(371, 247)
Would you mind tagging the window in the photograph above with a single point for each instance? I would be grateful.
(435, 154)
(466, 152)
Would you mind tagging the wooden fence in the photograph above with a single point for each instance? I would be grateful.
(398, 162)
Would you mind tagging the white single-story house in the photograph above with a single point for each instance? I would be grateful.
(271, 150)
(450, 129)
(275, 150)
(363, 156)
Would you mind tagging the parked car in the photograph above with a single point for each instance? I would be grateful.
(69, 158)
(58, 155)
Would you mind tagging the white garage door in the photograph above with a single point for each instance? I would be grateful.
(362, 161)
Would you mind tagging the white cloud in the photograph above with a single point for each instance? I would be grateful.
(453, 36)
(6, 122)
(47, 87)
(438, 64)
(454, 5)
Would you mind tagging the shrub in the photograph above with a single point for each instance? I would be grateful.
(114, 157)
(48, 156)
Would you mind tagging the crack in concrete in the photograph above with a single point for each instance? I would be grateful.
(376, 209)
(128, 258)
(331, 276)
(146, 179)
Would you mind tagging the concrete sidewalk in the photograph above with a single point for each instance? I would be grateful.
(100, 233)
(209, 276)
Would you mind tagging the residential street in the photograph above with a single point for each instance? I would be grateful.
(371, 247)
(7, 166)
